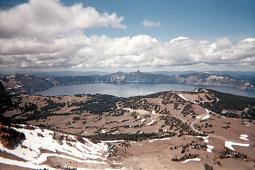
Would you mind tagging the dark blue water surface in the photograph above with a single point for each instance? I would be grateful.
(133, 89)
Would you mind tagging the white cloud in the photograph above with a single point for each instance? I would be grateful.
(49, 18)
(180, 38)
(148, 23)
(138, 51)
(50, 35)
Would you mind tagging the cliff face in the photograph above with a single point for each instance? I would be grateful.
(192, 78)
(140, 77)
(213, 80)
(21, 83)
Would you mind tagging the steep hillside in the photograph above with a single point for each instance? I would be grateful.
(232, 105)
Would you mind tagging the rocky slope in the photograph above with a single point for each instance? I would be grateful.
(180, 130)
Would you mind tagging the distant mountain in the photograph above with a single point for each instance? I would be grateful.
(23, 83)
(28, 83)
(140, 77)
(195, 78)
(236, 74)
(213, 80)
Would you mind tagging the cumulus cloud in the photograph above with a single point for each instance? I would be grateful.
(49, 18)
(138, 51)
(148, 23)
(44, 38)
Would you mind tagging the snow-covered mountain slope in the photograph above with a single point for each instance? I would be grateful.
(40, 144)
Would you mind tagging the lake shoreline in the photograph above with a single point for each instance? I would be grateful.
(134, 89)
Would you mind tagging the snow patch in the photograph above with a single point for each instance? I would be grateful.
(206, 117)
(205, 138)
(198, 117)
(68, 147)
(209, 148)
(181, 96)
(165, 139)
(188, 160)
(153, 140)
(159, 139)
(244, 137)
(116, 163)
(150, 123)
(139, 111)
(23, 164)
(229, 144)
(103, 131)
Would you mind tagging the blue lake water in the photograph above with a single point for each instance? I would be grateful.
(133, 89)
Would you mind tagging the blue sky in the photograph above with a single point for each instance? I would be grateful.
(198, 19)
